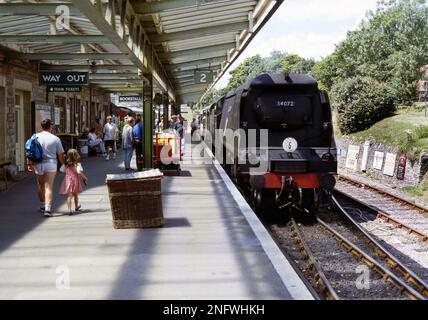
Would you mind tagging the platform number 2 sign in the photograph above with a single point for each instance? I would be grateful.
(203, 76)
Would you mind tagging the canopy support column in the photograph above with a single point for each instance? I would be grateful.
(165, 110)
(148, 121)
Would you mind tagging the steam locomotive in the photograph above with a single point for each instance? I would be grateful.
(274, 136)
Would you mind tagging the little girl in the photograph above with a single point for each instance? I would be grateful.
(71, 185)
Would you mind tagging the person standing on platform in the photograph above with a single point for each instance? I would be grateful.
(47, 169)
(194, 125)
(137, 133)
(128, 142)
(110, 135)
(177, 126)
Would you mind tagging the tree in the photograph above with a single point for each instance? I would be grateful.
(248, 69)
(360, 102)
(389, 47)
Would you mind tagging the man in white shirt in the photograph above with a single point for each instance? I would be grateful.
(110, 136)
(46, 170)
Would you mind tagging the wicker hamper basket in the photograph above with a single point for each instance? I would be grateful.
(136, 199)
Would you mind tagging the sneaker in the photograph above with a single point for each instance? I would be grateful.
(70, 213)
(42, 209)
(48, 214)
(108, 158)
(78, 208)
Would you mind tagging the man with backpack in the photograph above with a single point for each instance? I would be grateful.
(42, 151)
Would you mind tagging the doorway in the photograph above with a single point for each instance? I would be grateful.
(19, 130)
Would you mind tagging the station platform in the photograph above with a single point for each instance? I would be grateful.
(210, 247)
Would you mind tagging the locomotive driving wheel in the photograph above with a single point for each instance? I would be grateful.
(305, 198)
(264, 201)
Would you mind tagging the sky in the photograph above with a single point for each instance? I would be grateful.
(306, 28)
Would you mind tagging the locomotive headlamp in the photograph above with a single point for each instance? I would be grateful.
(289, 144)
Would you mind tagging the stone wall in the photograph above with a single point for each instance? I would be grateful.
(412, 170)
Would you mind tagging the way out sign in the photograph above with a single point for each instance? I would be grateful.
(203, 76)
(63, 78)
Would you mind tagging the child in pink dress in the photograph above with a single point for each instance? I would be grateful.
(71, 185)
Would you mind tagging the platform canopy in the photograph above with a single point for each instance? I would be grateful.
(185, 46)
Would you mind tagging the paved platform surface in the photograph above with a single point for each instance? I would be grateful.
(206, 250)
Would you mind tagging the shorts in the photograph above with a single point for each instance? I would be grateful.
(109, 144)
(41, 168)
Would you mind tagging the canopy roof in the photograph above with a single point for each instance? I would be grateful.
(121, 42)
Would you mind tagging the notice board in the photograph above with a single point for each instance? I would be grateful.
(41, 110)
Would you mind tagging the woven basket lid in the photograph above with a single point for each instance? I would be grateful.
(153, 173)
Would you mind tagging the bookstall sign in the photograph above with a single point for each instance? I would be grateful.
(401, 168)
(352, 157)
(134, 98)
(389, 164)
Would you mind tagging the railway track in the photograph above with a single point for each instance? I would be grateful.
(394, 210)
(330, 249)
(330, 259)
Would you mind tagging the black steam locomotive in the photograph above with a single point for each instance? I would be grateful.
(292, 161)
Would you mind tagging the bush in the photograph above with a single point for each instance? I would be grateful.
(360, 102)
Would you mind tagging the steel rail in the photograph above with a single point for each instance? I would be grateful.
(421, 209)
(321, 281)
(386, 217)
(372, 263)
(408, 275)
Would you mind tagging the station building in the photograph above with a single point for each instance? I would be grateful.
(23, 103)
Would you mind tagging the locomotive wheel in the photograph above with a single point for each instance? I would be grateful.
(264, 201)
(309, 199)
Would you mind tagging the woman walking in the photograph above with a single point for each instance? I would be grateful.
(128, 142)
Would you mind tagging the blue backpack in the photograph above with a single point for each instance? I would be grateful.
(33, 149)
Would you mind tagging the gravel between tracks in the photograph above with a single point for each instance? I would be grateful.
(340, 267)
(407, 247)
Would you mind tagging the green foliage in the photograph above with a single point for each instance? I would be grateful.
(360, 102)
(390, 47)
(211, 97)
(248, 69)
(277, 62)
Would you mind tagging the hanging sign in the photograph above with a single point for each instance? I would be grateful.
(53, 78)
(64, 89)
(134, 98)
(401, 169)
(203, 76)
